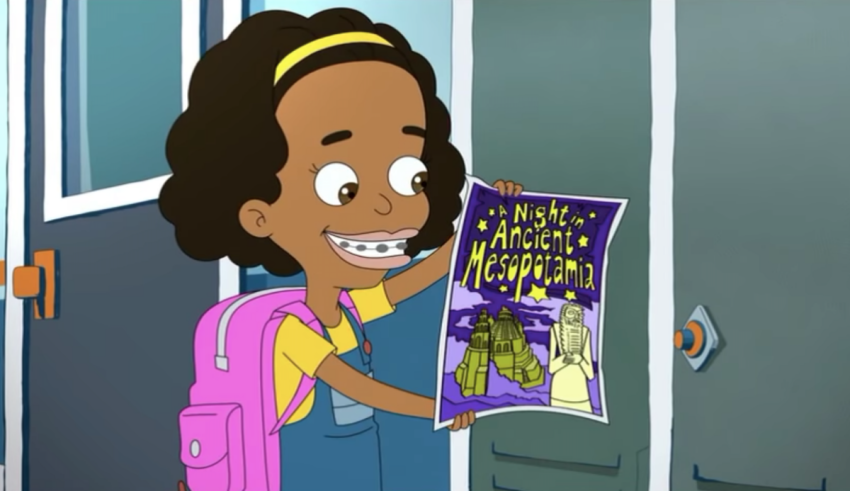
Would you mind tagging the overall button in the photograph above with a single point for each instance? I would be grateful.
(367, 347)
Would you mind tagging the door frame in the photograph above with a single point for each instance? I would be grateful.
(55, 205)
(661, 318)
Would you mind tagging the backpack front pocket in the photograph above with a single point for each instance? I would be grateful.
(211, 447)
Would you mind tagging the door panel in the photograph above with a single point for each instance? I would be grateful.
(761, 176)
(534, 471)
(562, 104)
(106, 380)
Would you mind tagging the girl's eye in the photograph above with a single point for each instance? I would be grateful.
(336, 184)
(408, 176)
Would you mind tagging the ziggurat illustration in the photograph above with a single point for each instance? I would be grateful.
(503, 341)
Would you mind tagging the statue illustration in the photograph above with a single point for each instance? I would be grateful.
(570, 361)
(503, 342)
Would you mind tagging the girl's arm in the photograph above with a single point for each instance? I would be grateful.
(413, 280)
(417, 278)
(351, 383)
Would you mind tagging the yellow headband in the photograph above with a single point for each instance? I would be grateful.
(320, 44)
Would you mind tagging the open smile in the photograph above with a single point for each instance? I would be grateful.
(373, 250)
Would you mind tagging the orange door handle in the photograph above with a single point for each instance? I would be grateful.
(39, 282)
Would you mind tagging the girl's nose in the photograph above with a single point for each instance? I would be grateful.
(383, 205)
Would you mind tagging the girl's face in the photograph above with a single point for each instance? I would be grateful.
(352, 185)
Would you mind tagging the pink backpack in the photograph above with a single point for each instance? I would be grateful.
(228, 433)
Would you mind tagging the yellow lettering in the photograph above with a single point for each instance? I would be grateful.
(558, 273)
(501, 236)
(476, 258)
(538, 268)
(513, 267)
(543, 239)
(524, 269)
(520, 212)
(527, 243)
(491, 260)
(558, 238)
(503, 264)
(540, 217)
(573, 273)
(588, 279)
(562, 220)
(516, 236)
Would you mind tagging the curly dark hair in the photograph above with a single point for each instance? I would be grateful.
(227, 147)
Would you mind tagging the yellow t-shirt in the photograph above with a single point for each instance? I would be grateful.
(300, 350)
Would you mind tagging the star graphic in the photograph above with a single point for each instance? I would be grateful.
(582, 240)
(482, 225)
(591, 215)
(491, 212)
(503, 288)
(570, 295)
(538, 293)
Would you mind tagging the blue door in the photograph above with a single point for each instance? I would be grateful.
(95, 384)
(414, 457)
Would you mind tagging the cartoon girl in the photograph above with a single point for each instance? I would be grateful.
(319, 144)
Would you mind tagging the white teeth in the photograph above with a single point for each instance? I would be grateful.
(370, 249)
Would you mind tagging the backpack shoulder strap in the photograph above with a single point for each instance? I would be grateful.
(348, 304)
(300, 310)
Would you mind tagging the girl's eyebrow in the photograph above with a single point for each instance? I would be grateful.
(414, 130)
(336, 137)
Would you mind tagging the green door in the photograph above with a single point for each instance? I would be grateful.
(561, 103)
(762, 173)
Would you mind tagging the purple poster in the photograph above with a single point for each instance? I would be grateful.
(523, 324)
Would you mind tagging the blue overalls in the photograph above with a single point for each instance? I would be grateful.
(336, 447)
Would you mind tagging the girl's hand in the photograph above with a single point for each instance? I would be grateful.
(508, 188)
(181, 486)
(463, 420)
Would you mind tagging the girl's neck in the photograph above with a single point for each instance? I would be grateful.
(323, 300)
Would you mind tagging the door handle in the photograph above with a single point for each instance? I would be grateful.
(698, 339)
(39, 282)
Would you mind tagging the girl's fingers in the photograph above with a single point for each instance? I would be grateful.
(517, 189)
(471, 417)
(181, 486)
(509, 188)
(464, 420)
(500, 186)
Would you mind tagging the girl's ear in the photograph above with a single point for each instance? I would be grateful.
(253, 216)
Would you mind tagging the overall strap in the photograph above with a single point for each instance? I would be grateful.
(354, 321)
(349, 309)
